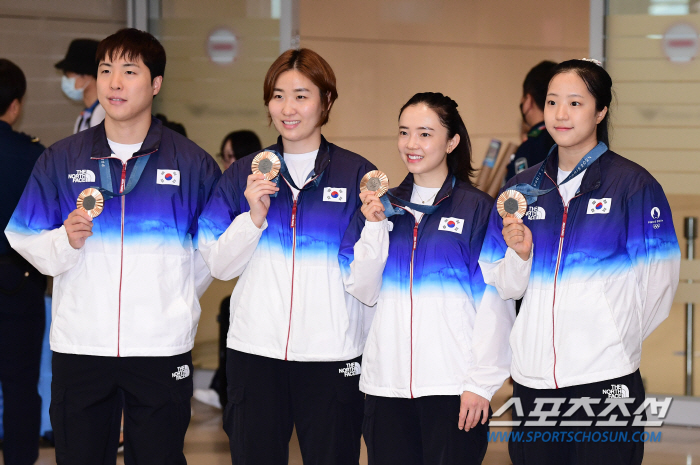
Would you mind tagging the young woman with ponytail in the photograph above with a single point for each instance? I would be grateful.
(596, 262)
(438, 345)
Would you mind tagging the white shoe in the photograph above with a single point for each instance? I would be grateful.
(207, 396)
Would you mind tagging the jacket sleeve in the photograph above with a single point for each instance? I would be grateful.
(501, 266)
(36, 228)
(655, 254)
(492, 325)
(363, 254)
(209, 175)
(227, 235)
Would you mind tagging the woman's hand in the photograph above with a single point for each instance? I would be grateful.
(517, 236)
(257, 193)
(372, 207)
(472, 408)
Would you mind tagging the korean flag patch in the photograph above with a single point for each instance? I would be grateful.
(170, 177)
(334, 194)
(598, 206)
(452, 225)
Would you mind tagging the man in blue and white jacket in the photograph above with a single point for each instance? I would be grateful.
(127, 282)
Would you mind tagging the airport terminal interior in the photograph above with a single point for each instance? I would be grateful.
(382, 52)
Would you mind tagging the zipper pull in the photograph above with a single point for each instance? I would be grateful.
(415, 236)
(123, 183)
(563, 222)
(294, 214)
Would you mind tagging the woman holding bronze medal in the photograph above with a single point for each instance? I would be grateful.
(296, 337)
(438, 345)
(592, 251)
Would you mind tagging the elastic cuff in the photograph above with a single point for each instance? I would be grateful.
(384, 224)
(477, 390)
(63, 246)
(248, 221)
(515, 259)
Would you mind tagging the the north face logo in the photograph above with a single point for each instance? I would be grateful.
(535, 213)
(82, 176)
(182, 372)
(351, 369)
(617, 391)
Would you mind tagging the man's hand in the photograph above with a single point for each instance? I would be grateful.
(472, 408)
(372, 207)
(517, 236)
(78, 228)
(258, 193)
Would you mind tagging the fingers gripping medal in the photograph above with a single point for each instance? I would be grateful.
(91, 202)
(266, 163)
(511, 202)
(375, 181)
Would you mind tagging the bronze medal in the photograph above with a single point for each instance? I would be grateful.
(266, 163)
(511, 202)
(91, 202)
(375, 181)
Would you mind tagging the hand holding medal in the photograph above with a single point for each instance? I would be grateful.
(78, 225)
(372, 186)
(512, 205)
(258, 191)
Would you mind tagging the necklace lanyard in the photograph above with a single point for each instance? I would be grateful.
(532, 191)
(389, 209)
(106, 177)
(284, 172)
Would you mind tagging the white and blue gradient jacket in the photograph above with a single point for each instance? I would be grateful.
(600, 279)
(131, 290)
(289, 302)
(438, 328)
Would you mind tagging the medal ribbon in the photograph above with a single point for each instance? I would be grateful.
(106, 177)
(284, 172)
(532, 191)
(390, 210)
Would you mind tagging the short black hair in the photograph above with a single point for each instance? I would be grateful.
(132, 44)
(537, 81)
(243, 142)
(13, 84)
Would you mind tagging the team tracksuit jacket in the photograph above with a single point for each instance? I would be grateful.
(438, 328)
(289, 302)
(601, 276)
(133, 289)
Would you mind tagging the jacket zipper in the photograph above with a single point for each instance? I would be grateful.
(293, 225)
(410, 287)
(122, 185)
(556, 274)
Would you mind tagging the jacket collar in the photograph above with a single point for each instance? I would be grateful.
(404, 191)
(101, 149)
(591, 179)
(5, 126)
(323, 157)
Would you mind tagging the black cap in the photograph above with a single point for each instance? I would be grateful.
(81, 57)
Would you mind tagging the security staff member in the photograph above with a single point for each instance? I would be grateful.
(535, 148)
(79, 81)
(22, 314)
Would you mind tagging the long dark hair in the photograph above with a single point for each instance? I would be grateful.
(459, 161)
(599, 84)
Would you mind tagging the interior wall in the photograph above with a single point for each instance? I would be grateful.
(478, 53)
(35, 34)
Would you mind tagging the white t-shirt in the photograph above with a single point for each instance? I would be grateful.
(124, 151)
(423, 196)
(568, 190)
(299, 166)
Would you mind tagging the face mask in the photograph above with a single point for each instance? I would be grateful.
(68, 88)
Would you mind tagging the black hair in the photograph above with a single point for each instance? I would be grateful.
(459, 160)
(599, 84)
(243, 143)
(177, 127)
(537, 81)
(132, 44)
(13, 84)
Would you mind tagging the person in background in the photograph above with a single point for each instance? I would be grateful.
(238, 144)
(535, 148)
(79, 81)
(235, 145)
(22, 314)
